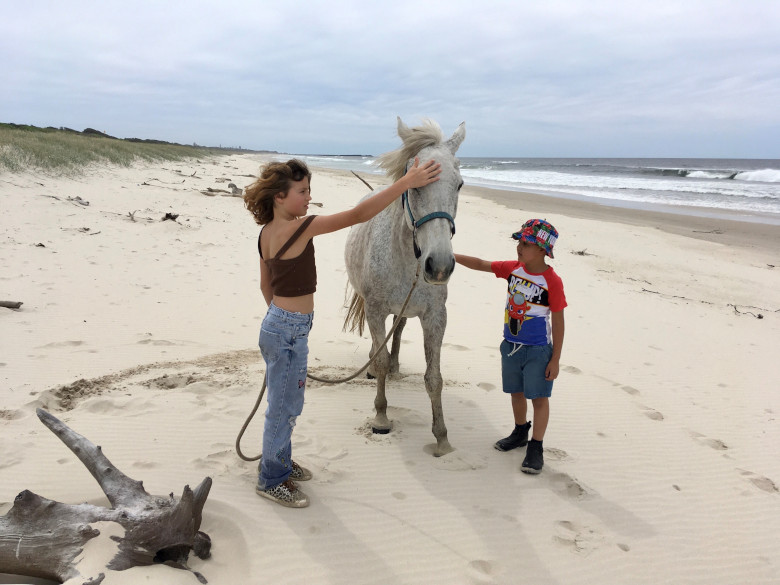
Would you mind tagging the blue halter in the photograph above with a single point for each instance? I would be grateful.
(417, 223)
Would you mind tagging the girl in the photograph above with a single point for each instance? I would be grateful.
(279, 200)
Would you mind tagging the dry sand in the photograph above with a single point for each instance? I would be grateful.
(661, 455)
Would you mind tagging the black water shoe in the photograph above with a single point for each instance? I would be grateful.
(518, 438)
(534, 460)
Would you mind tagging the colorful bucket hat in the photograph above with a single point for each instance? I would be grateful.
(539, 232)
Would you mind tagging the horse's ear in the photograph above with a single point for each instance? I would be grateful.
(403, 130)
(457, 138)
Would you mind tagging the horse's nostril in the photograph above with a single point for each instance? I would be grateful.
(437, 272)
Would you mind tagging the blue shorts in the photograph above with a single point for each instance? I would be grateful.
(523, 370)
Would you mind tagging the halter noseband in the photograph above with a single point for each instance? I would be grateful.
(417, 223)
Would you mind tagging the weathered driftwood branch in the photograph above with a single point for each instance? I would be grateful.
(362, 179)
(11, 304)
(43, 538)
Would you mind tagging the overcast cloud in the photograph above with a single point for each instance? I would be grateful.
(684, 78)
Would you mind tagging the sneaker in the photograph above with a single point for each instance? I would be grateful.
(534, 460)
(286, 493)
(298, 473)
(518, 438)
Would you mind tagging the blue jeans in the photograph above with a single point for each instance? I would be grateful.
(284, 343)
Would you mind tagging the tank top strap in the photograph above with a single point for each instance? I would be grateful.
(295, 236)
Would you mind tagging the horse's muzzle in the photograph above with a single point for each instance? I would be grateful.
(438, 272)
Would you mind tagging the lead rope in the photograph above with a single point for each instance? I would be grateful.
(326, 380)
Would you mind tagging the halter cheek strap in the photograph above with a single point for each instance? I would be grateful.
(426, 218)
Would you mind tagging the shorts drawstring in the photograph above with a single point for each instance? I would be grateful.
(515, 348)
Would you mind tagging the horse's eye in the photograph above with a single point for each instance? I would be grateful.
(461, 185)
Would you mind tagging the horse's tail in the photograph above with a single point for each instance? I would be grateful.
(356, 314)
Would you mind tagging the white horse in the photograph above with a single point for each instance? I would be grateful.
(382, 257)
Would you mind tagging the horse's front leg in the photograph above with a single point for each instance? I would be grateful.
(396, 348)
(433, 334)
(376, 325)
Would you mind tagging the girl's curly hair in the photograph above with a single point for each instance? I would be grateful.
(275, 178)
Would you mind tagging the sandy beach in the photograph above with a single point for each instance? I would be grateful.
(661, 457)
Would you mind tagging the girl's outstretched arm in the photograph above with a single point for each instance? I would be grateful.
(417, 176)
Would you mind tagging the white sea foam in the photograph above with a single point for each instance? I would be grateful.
(764, 175)
(712, 193)
(710, 175)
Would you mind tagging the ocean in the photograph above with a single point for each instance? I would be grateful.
(743, 189)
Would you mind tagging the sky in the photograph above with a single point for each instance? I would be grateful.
(552, 78)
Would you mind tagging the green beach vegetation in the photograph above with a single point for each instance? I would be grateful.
(62, 151)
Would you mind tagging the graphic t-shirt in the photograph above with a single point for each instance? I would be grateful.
(530, 299)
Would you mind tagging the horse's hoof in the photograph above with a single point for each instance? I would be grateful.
(444, 449)
(370, 376)
(381, 425)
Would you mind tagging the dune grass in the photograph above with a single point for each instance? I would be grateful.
(55, 151)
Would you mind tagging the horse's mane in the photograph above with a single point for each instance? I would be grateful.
(414, 140)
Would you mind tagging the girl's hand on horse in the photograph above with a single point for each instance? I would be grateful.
(419, 176)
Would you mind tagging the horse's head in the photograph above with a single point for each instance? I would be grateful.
(430, 211)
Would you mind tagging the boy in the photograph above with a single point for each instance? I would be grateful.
(533, 334)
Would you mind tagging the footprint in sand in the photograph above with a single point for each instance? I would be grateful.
(571, 370)
(486, 386)
(9, 460)
(761, 482)
(340, 342)
(481, 572)
(581, 539)
(630, 390)
(566, 485)
(168, 382)
(716, 444)
(456, 347)
(61, 344)
(457, 460)
(10, 414)
(217, 462)
(145, 464)
(652, 414)
(554, 454)
(155, 342)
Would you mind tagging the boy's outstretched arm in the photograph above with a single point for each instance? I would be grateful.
(473, 262)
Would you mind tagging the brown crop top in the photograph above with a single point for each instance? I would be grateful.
(293, 277)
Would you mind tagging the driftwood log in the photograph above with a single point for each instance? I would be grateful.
(43, 538)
